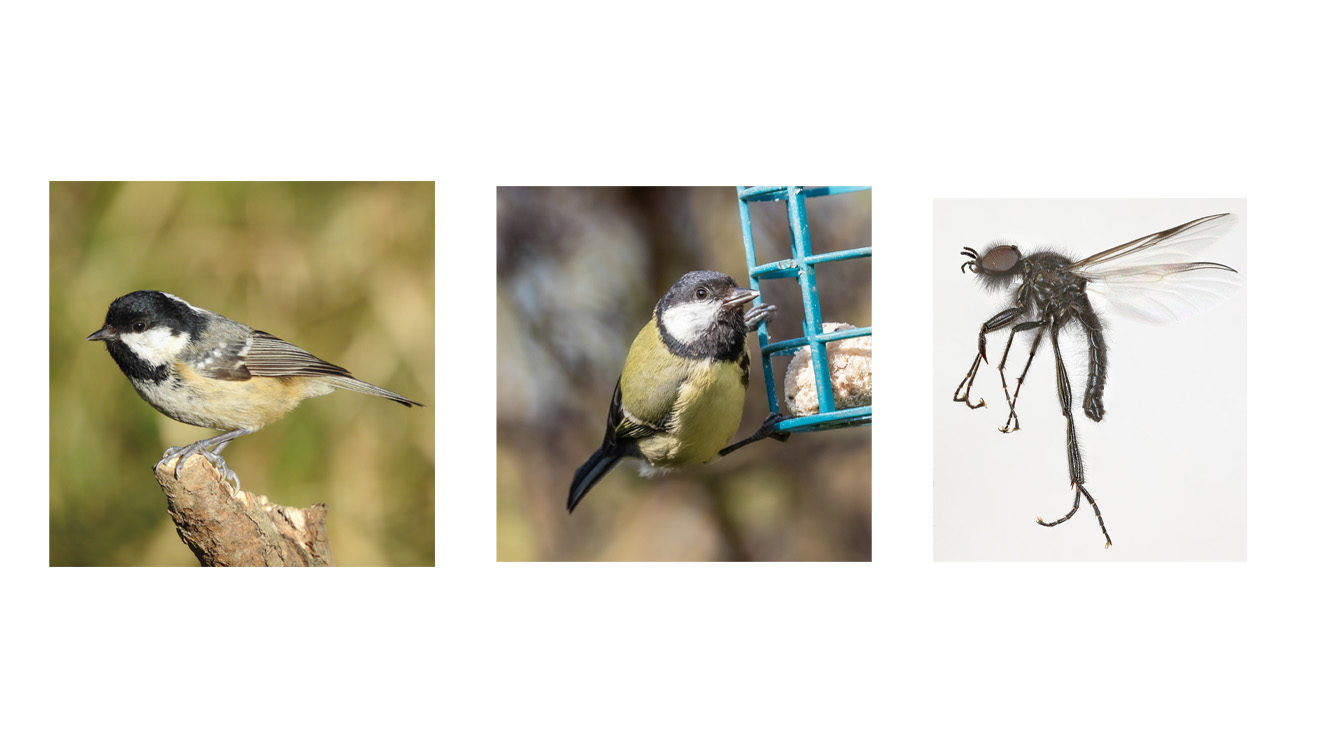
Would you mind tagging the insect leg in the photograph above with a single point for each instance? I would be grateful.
(1077, 499)
(1001, 320)
(1012, 401)
(1074, 450)
(1096, 507)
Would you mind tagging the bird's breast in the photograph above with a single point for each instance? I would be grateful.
(705, 416)
(196, 400)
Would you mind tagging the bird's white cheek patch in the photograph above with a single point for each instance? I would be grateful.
(155, 346)
(689, 322)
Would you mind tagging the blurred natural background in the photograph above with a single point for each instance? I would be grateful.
(344, 270)
(579, 272)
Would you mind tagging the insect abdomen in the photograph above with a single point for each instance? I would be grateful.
(1093, 401)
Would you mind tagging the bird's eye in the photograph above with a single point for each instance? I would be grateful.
(139, 325)
(702, 293)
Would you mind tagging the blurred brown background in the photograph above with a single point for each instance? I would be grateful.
(579, 272)
(345, 270)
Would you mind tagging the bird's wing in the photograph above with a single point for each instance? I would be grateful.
(268, 356)
(624, 425)
(225, 360)
(651, 380)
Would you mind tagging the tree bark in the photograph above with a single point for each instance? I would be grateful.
(227, 528)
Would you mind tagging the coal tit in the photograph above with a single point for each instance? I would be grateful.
(202, 369)
(680, 397)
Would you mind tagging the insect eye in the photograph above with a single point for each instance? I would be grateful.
(702, 293)
(139, 325)
(1001, 259)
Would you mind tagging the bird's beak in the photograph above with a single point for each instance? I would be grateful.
(105, 333)
(739, 296)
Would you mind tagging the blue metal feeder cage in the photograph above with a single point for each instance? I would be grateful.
(802, 266)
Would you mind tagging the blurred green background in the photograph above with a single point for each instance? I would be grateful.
(579, 272)
(344, 270)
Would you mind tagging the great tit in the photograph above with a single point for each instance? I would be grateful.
(680, 397)
(203, 369)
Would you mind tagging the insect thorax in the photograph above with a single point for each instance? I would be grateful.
(1052, 289)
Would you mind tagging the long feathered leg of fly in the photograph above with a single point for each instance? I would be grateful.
(1012, 401)
(1075, 469)
(997, 322)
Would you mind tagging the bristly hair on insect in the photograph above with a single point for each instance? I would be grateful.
(1156, 277)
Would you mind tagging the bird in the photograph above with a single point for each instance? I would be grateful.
(203, 369)
(680, 396)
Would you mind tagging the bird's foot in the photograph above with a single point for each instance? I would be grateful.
(183, 453)
(759, 313)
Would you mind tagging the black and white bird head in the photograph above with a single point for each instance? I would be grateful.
(149, 328)
(702, 316)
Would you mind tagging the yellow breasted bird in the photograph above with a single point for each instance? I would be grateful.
(680, 397)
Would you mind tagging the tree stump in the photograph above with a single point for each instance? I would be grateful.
(227, 528)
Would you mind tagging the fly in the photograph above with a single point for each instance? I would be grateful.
(1155, 278)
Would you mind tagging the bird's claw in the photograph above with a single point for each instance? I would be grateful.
(225, 472)
(183, 453)
(767, 429)
(759, 313)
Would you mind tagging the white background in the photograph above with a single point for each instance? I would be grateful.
(1167, 464)
(954, 100)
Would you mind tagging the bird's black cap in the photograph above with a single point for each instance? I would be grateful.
(146, 309)
(726, 340)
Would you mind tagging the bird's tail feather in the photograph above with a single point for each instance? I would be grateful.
(595, 468)
(357, 385)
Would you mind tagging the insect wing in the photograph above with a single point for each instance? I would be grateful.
(1157, 278)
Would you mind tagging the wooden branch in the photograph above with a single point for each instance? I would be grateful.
(224, 528)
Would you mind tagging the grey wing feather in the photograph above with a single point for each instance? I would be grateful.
(269, 356)
(225, 361)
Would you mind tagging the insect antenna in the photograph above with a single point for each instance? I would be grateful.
(974, 263)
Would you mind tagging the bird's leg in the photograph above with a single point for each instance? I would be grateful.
(1012, 401)
(220, 461)
(767, 429)
(210, 448)
(1074, 450)
(996, 322)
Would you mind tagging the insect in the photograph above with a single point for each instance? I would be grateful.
(1155, 278)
